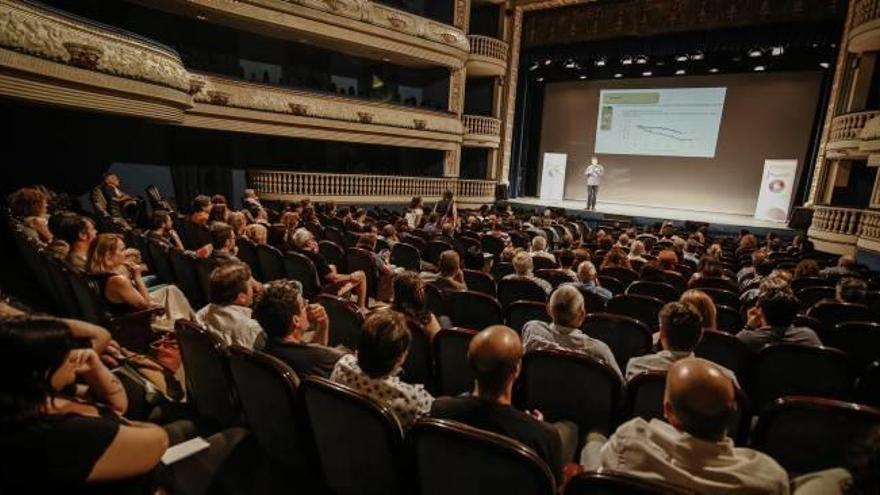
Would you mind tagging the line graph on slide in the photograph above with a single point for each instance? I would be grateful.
(660, 122)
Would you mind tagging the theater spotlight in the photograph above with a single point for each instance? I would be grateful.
(618, 75)
(824, 65)
(569, 64)
(777, 51)
(600, 62)
(642, 59)
(713, 70)
(647, 73)
(680, 72)
(626, 60)
(755, 53)
(759, 68)
(534, 66)
(582, 77)
(698, 55)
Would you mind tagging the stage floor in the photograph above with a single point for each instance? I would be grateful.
(648, 214)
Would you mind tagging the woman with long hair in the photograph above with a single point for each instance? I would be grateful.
(31, 206)
(704, 305)
(409, 299)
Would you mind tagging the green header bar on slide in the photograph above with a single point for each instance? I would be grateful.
(646, 98)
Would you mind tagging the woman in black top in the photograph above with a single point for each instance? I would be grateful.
(55, 441)
(409, 299)
(446, 209)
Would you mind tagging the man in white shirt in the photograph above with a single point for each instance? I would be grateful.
(691, 449)
(228, 316)
(594, 173)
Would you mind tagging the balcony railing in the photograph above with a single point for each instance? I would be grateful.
(848, 127)
(480, 125)
(870, 225)
(834, 220)
(359, 188)
(486, 46)
(865, 11)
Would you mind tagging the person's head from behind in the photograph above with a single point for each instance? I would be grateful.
(383, 344)
(250, 194)
(522, 264)
(34, 360)
(847, 261)
(304, 240)
(778, 306)
(681, 327)
(748, 241)
(111, 179)
(637, 249)
(237, 221)
(566, 259)
(409, 293)
(539, 243)
(389, 232)
(758, 257)
(222, 237)
(74, 229)
(495, 356)
(230, 284)
(257, 233)
(289, 219)
(281, 310)
(616, 258)
(699, 399)
(201, 203)
(764, 268)
(711, 267)
(218, 199)
(852, 290)
(667, 259)
(28, 202)
(161, 221)
(449, 263)
(448, 229)
(587, 273)
(367, 241)
(704, 305)
(566, 307)
(106, 253)
(218, 213)
(448, 195)
(692, 246)
(806, 268)
(415, 202)
(474, 259)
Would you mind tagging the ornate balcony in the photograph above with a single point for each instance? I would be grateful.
(845, 134)
(49, 56)
(869, 231)
(481, 132)
(488, 56)
(864, 33)
(835, 229)
(370, 189)
(357, 27)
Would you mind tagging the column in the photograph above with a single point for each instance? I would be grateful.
(513, 35)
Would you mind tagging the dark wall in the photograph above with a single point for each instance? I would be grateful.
(478, 96)
(485, 20)
(474, 163)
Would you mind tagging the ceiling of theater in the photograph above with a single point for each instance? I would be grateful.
(551, 22)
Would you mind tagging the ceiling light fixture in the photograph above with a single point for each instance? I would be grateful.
(626, 60)
(618, 75)
(698, 55)
(600, 62)
(713, 70)
(755, 53)
(647, 73)
(777, 51)
(759, 68)
(642, 59)
(680, 72)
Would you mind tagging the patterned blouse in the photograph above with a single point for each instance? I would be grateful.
(407, 401)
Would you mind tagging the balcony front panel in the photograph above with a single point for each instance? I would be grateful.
(51, 57)
(356, 27)
(869, 232)
(864, 33)
(835, 230)
(846, 132)
(481, 132)
(488, 56)
(233, 105)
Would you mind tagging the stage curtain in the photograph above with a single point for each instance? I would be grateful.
(192, 180)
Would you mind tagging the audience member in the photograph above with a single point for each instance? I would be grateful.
(385, 271)
(566, 309)
(223, 242)
(667, 260)
(409, 300)
(616, 258)
(162, 230)
(30, 206)
(772, 320)
(229, 314)
(285, 317)
(119, 203)
(846, 265)
(566, 264)
(119, 274)
(79, 233)
(637, 252)
(852, 290)
(704, 305)
(758, 257)
(258, 234)
(382, 349)
(218, 213)
(539, 248)
(238, 221)
(304, 243)
(588, 280)
(414, 212)
(201, 205)
(522, 266)
(451, 276)
(806, 268)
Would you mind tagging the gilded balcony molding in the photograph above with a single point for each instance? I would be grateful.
(845, 136)
(229, 104)
(835, 230)
(869, 231)
(481, 131)
(488, 56)
(51, 57)
(361, 188)
(864, 32)
(358, 27)
(870, 144)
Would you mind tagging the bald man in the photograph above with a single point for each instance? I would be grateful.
(846, 265)
(495, 356)
(691, 448)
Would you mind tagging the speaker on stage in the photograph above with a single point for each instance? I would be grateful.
(801, 218)
(500, 192)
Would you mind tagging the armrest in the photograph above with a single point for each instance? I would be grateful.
(138, 315)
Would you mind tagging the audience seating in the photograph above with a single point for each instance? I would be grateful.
(345, 320)
(406, 256)
(492, 245)
(676, 280)
(417, 242)
(810, 296)
(204, 267)
(713, 283)
(590, 394)
(793, 369)
(59, 278)
(208, 379)
(471, 309)
(624, 275)
(451, 368)
(435, 248)
(627, 337)
(357, 259)
(831, 313)
(434, 300)
(728, 351)
(187, 276)
(868, 387)
(247, 252)
(859, 339)
(555, 276)
(480, 282)
(455, 458)
(271, 263)
(803, 282)
(657, 290)
(358, 439)
(594, 303)
(521, 312)
(615, 286)
(419, 364)
(501, 270)
(728, 319)
(807, 434)
(334, 235)
(519, 289)
(299, 267)
(643, 308)
(722, 297)
(161, 261)
(614, 483)
(333, 254)
(543, 263)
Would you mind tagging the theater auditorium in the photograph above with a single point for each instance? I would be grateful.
(440, 247)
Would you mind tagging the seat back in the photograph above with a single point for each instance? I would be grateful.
(594, 303)
(502, 269)
(454, 458)
(334, 254)
(419, 364)
(728, 319)
(868, 387)
(434, 300)
(492, 244)
(361, 259)
(644, 395)
(859, 339)
(334, 235)
(590, 397)
(187, 277)
(805, 434)
(612, 284)
(207, 374)
(728, 351)
(543, 263)
(357, 438)
(832, 313)
(522, 312)
(345, 320)
(811, 295)
(204, 268)
(722, 297)
(643, 308)
(627, 337)
(657, 290)
(406, 256)
(519, 289)
(451, 368)
(614, 483)
(271, 263)
(799, 283)
(160, 253)
(793, 369)
(471, 309)
(88, 297)
(299, 267)
(139, 242)
(247, 252)
(58, 274)
(434, 250)
(624, 275)
(480, 282)
(555, 276)
(714, 283)
(676, 280)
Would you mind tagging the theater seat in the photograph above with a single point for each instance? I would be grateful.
(452, 458)
(627, 337)
(793, 369)
(868, 386)
(247, 252)
(271, 264)
(471, 309)
(519, 289)
(522, 312)
(406, 256)
(480, 282)
(624, 275)
(358, 440)
(614, 483)
(657, 290)
(831, 313)
(859, 339)
(345, 320)
(554, 276)
(453, 373)
(728, 351)
(357, 259)
(643, 308)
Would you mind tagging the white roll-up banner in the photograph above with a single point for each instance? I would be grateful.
(553, 176)
(777, 187)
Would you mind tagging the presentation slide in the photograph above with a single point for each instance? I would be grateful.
(659, 122)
